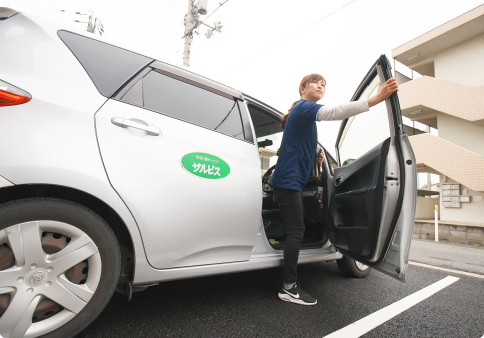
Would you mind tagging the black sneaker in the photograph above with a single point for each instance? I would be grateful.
(296, 295)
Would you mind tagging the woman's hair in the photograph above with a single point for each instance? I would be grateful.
(304, 82)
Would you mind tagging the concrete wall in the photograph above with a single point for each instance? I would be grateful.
(425, 207)
(463, 63)
(461, 132)
(472, 212)
(452, 233)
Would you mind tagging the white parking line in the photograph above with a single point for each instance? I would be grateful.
(368, 323)
(448, 270)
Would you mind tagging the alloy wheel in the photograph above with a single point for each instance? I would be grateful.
(49, 271)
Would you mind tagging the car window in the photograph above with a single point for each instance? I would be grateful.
(108, 66)
(268, 132)
(135, 94)
(268, 147)
(364, 131)
(187, 102)
(331, 163)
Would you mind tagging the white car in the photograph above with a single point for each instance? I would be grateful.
(119, 172)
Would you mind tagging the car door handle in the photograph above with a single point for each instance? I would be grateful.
(124, 123)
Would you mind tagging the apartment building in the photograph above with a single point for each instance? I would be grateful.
(449, 96)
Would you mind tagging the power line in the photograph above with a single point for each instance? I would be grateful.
(216, 9)
(195, 23)
(161, 20)
(289, 37)
(174, 6)
(92, 26)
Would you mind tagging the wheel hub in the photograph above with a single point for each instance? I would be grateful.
(36, 277)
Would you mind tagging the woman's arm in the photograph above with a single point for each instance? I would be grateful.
(342, 111)
(345, 110)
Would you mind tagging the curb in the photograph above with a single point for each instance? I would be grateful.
(480, 247)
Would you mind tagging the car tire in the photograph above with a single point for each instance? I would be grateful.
(68, 267)
(352, 268)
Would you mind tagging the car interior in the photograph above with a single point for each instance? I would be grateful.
(269, 135)
(357, 205)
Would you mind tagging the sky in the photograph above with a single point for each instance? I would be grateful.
(267, 46)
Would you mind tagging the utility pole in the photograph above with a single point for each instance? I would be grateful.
(189, 23)
(91, 27)
(192, 22)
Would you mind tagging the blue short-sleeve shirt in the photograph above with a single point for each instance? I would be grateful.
(298, 147)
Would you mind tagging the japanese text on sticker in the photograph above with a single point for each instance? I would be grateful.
(206, 169)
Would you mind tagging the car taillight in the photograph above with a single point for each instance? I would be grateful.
(11, 95)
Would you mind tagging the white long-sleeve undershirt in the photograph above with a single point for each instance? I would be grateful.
(342, 111)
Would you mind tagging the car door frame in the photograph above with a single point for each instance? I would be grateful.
(400, 140)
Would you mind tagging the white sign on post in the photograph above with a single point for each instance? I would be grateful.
(436, 212)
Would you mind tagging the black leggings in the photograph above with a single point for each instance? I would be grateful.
(292, 210)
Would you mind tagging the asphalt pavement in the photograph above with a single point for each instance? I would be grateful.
(246, 304)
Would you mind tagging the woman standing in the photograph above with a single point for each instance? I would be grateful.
(296, 156)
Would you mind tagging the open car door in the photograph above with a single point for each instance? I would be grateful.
(374, 193)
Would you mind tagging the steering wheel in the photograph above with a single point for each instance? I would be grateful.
(267, 180)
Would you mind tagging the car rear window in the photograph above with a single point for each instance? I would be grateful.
(108, 66)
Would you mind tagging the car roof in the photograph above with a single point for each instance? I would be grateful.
(187, 74)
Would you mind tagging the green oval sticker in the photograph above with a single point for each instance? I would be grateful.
(205, 166)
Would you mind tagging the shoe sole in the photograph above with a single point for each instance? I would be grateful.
(288, 298)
